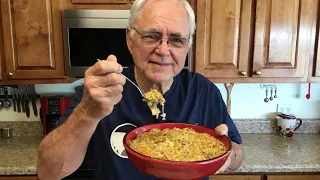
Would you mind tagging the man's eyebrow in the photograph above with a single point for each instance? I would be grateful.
(152, 31)
(176, 34)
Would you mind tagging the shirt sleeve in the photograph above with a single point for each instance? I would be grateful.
(75, 100)
(233, 132)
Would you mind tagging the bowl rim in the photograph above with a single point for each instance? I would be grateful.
(169, 162)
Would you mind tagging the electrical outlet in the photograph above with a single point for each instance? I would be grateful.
(284, 108)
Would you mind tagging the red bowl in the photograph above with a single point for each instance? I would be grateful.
(174, 170)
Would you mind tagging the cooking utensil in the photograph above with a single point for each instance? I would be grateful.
(6, 102)
(266, 99)
(26, 99)
(33, 95)
(17, 96)
(308, 95)
(21, 95)
(275, 92)
(271, 97)
(14, 99)
(129, 81)
(172, 169)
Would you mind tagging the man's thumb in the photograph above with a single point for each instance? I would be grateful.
(221, 130)
(112, 58)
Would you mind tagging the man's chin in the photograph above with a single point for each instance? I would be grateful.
(160, 77)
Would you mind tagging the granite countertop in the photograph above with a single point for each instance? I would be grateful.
(18, 155)
(262, 153)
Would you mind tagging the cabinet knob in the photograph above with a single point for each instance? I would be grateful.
(10, 74)
(258, 73)
(243, 73)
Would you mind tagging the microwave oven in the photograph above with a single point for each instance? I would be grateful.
(95, 34)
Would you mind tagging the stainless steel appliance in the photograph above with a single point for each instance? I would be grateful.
(94, 34)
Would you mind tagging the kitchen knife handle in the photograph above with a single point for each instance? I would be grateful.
(27, 109)
(14, 104)
(15, 90)
(34, 107)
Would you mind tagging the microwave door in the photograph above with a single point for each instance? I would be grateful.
(94, 34)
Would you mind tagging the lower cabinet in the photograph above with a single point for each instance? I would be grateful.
(18, 178)
(262, 176)
(236, 177)
(293, 177)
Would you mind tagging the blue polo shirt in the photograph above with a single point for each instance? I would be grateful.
(192, 98)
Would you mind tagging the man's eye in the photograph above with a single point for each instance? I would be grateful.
(150, 36)
(177, 40)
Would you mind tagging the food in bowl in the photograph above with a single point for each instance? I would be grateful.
(175, 170)
(153, 98)
(177, 144)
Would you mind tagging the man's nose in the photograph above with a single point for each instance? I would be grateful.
(163, 48)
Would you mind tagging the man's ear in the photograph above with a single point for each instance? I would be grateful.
(128, 40)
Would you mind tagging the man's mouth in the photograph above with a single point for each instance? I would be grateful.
(160, 64)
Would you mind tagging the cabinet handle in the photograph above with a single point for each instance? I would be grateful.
(258, 72)
(10, 74)
(243, 73)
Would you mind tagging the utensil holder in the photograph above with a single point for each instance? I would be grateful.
(6, 132)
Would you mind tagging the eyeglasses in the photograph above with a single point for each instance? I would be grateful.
(153, 39)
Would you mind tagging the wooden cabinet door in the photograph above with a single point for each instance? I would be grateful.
(293, 177)
(235, 177)
(100, 1)
(18, 178)
(222, 38)
(316, 65)
(281, 38)
(1, 51)
(33, 43)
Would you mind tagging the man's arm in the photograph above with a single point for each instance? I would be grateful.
(62, 151)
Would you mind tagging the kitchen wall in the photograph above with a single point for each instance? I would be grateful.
(247, 100)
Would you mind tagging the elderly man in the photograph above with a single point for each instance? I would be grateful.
(159, 36)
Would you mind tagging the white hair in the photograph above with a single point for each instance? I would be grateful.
(137, 6)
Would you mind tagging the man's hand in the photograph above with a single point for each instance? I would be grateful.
(103, 86)
(235, 158)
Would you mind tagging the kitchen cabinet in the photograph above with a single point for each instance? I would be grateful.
(101, 4)
(314, 68)
(100, 1)
(254, 41)
(1, 51)
(222, 38)
(18, 178)
(32, 41)
(235, 177)
(293, 177)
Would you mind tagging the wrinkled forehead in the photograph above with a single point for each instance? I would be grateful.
(169, 17)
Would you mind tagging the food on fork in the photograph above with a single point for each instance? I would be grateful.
(153, 98)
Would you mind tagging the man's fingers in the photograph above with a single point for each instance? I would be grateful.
(106, 80)
(104, 66)
(221, 130)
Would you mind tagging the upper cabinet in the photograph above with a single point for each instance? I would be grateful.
(281, 38)
(314, 68)
(254, 41)
(101, 4)
(222, 38)
(100, 1)
(32, 39)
